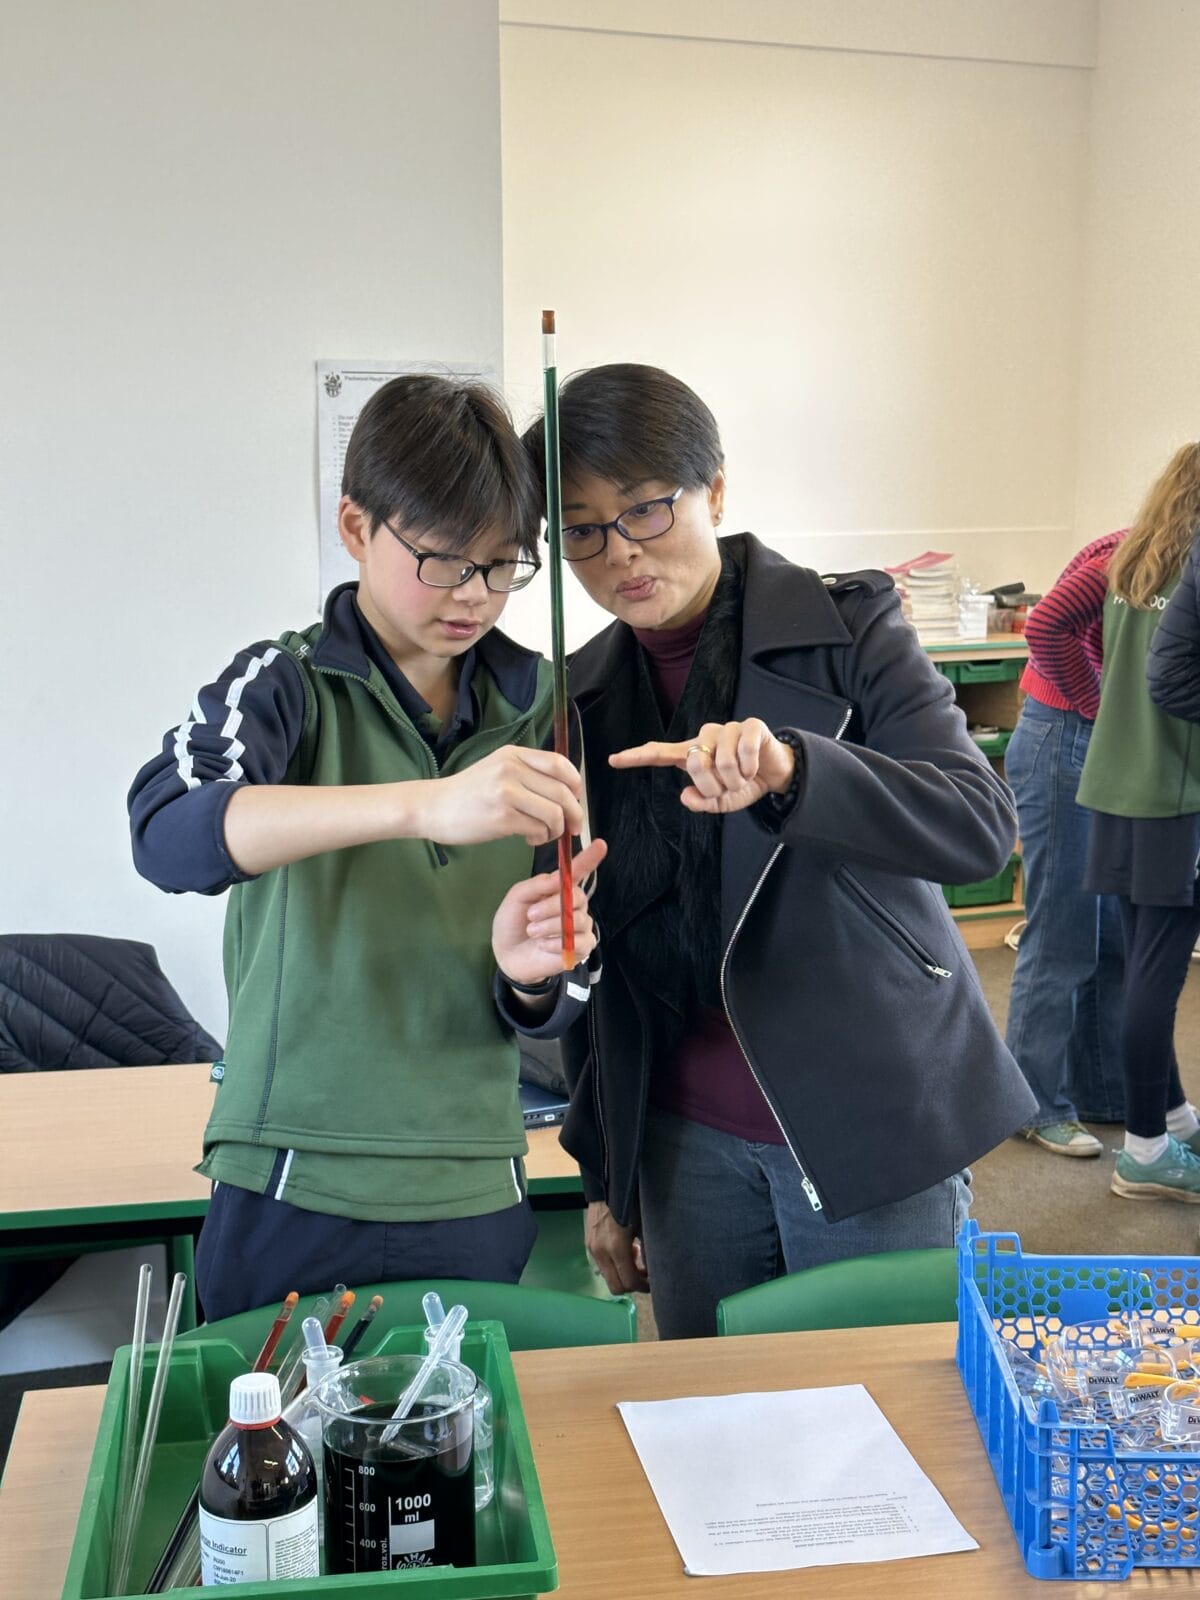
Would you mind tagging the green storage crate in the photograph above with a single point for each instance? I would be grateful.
(991, 892)
(516, 1556)
(995, 746)
(988, 671)
(948, 670)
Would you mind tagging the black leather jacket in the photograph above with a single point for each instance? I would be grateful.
(844, 978)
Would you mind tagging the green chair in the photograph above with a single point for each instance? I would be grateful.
(860, 1292)
(559, 1260)
(534, 1319)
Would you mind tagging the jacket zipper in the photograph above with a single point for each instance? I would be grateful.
(891, 925)
(806, 1183)
(593, 1048)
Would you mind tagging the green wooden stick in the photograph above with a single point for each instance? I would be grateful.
(558, 652)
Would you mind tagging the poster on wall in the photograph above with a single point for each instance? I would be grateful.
(343, 388)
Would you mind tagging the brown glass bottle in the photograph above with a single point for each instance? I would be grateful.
(258, 1493)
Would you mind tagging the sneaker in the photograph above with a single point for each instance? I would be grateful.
(1065, 1139)
(1174, 1176)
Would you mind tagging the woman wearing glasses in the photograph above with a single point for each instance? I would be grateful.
(789, 1059)
(370, 790)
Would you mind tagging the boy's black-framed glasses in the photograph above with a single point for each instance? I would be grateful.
(649, 519)
(441, 571)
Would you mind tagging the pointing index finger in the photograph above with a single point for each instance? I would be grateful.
(650, 755)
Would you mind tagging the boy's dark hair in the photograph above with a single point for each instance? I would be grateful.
(434, 453)
(627, 424)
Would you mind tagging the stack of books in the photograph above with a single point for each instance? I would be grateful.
(929, 588)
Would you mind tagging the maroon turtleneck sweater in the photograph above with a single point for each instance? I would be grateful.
(707, 1079)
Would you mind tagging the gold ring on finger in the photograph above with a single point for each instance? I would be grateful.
(700, 749)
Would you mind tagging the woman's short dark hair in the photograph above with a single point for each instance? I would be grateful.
(437, 453)
(628, 424)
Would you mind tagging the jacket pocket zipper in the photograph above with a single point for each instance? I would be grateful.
(806, 1183)
(895, 930)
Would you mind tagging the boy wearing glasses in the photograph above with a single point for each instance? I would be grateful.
(370, 790)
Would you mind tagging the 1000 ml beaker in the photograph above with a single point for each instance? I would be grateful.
(407, 1500)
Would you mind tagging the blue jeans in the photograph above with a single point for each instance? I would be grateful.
(720, 1214)
(1064, 1012)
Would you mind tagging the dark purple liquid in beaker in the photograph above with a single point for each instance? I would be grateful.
(410, 1503)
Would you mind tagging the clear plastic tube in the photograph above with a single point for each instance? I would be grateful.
(450, 1330)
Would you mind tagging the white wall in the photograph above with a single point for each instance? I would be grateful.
(1140, 389)
(859, 228)
(199, 201)
(856, 230)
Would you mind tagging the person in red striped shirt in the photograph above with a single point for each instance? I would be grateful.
(1064, 1007)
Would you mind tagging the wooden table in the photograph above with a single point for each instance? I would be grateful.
(97, 1158)
(607, 1529)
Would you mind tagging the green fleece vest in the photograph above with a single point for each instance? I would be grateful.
(1140, 762)
(361, 1021)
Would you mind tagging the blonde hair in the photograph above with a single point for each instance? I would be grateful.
(1154, 549)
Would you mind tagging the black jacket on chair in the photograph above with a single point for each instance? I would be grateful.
(79, 1000)
(844, 977)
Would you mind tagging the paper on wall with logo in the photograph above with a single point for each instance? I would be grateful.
(343, 389)
(806, 1478)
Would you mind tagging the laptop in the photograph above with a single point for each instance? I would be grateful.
(542, 1108)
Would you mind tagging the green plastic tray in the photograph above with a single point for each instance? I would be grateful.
(516, 1556)
(988, 671)
(996, 745)
(991, 892)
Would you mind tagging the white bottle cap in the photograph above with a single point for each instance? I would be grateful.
(254, 1400)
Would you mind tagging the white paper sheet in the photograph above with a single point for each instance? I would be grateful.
(799, 1478)
(343, 388)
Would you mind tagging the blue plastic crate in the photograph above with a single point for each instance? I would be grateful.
(1081, 1507)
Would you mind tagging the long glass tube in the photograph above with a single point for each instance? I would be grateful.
(558, 653)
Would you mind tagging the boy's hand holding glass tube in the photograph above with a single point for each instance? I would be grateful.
(527, 929)
(534, 794)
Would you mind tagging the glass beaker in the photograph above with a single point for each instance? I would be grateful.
(409, 1501)
(485, 1477)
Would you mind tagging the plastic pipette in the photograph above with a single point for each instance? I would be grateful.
(314, 1340)
(450, 1329)
(435, 1311)
(291, 1366)
(150, 1432)
(133, 1398)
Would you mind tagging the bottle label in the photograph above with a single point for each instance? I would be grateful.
(256, 1552)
